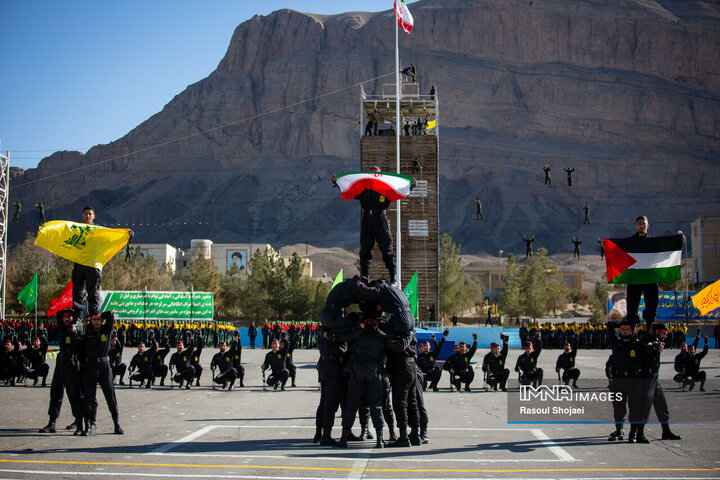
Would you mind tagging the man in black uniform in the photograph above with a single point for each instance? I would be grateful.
(629, 382)
(275, 360)
(287, 347)
(252, 334)
(160, 370)
(88, 277)
(222, 361)
(528, 239)
(180, 363)
(116, 363)
(566, 363)
(648, 290)
(96, 369)
(235, 351)
(330, 373)
(494, 365)
(426, 361)
(35, 356)
(656, 396)
(692, 367)
(392, 301)
(197, 345)
(365, 381)
(526, 363)
(67, 373)
(340, 297)
(679, 365)
(9, 362)
(458, 364)
(141, 369)
(375, 227)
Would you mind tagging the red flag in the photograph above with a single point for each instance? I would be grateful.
(63, 301)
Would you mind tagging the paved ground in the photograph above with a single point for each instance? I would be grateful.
(250, 433)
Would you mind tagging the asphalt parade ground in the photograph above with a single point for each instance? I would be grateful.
(251, 433)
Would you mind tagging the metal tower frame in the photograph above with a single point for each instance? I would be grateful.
(4, 208)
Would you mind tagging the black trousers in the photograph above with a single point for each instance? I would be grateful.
(432, 377)
(141, 375)
(90, 278)
(633, 400)
(403, 379)
(365, 382)
(279, 376)
(119, 370)
(66, 377)
(465, 376)
(656, 400)
(526, 378)
(198, 371)
(330, 372)
(96, 371)
(40, 372)
(376, 228)
(422, 412)
(570, 374)
(160, 372)
(498, 378)
(228, 376)
(187, 375)
(650, 292)
(292, 371)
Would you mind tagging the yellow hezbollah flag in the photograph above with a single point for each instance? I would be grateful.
(707, 299)
(90, 245)
(431, 124)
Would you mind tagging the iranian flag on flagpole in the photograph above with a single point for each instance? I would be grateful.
(392, 186)
(404, 17)
(638, 260)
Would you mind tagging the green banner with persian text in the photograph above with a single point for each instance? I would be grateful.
(158, 305)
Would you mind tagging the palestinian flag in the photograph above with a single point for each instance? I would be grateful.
(404, 17)
(392, 186)
(637, 260)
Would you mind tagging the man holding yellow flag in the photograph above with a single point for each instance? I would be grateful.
(89, 247)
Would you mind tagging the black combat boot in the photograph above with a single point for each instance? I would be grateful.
(118, 430)
(667, 434)
(78, 426)
(403, 440)
(618, 434)
(49, 428)
(414, 436)
(423, 435)
(327, 439)
(633, 432)
(318, 435)
(392, 436)
(379, 442)
(365, 433)
(344, 438)
(640, 435)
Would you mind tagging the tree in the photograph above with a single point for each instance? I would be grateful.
(599, 301)
(512, 298)
(200, 275)
(456, 291)
(228, 300)
(540, 283)
(137, 273)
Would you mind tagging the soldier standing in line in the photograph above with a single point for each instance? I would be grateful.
(96, 369)
(67, 373)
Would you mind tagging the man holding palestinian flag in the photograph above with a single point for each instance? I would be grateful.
(89, 247)
(641, 261)
(375, 190)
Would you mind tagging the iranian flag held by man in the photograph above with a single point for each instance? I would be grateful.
(641, 261)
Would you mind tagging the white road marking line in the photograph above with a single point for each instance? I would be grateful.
(552, 446)
(188, 438)
(376, 459)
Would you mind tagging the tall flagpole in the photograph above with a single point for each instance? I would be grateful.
(398, 257)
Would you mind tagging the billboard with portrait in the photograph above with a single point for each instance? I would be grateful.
(237, 258)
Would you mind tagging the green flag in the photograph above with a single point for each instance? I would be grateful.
(411, 292)
(338, 279)
(28, 295)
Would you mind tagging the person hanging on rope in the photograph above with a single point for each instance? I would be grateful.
(586, 207)
(602, 249)
(576, 251)
(479, 211)
(569, 171)
(546, 169)
(41, 212)
(529, 239)
(18, 207)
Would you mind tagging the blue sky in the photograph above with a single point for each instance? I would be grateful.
(80, 73)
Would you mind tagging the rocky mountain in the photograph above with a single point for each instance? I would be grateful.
(626, 92)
